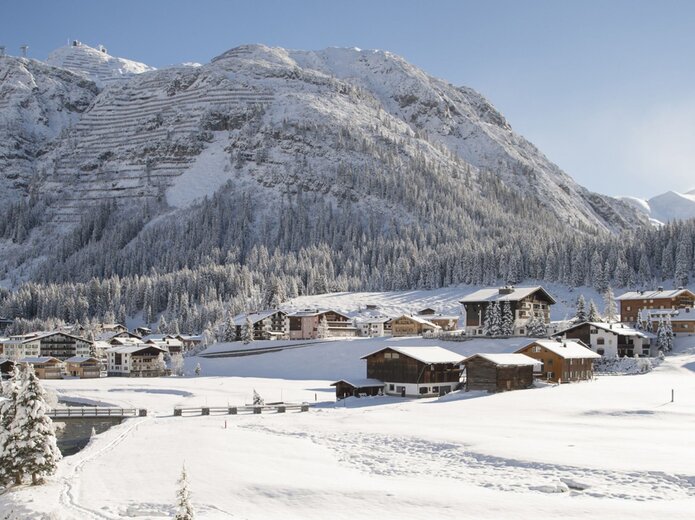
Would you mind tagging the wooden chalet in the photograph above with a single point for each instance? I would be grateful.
(682, 320)
(83, 367)
(412, 326)
(499, 372)
(610, 339)
(168, 342)
(357, 388)
(5, 323)
(631, 303)
(525, 303)
(136, 361)
(63, 346)
(446, 322)
(190, 341)
(562, 362)
(267, 325)
(415, 371)
(305, 324)
(45, 367)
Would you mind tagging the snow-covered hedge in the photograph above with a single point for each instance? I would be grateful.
(626, 366)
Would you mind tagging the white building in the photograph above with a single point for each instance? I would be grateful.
(370, 326)
(136, 361)
(19, 347)
(612, 339)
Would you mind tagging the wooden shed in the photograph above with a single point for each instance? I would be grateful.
(499, 372)
(357, 388)
(6, 367)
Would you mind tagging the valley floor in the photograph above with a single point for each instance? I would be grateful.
(612, 448)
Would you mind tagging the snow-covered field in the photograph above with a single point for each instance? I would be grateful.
(612, 448)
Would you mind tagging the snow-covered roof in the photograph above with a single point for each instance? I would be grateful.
(653, 295)
(512, 294)
(568, 349)
(507, 359)
(316, 312)
(420, 320)
(133, 349)
(5, 360)
(619, 329)
(428, 355)
(38, 359)
(255, 317)
(360, 383)
(441, 317)
(80, 359)
(372, 319)
(128, 341)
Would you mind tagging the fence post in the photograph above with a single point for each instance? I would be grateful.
(305, 407)
(177, 412)
(281, 409)
(257, 409)
(205, 411)
(232, 410)
(142, 412)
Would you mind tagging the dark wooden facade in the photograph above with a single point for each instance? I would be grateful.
(345, 389)
(556, 368)
(483, 374)
(394, 367)
(6, 367)
(630, 307)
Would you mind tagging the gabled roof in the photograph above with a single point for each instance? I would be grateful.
(506, 359)
(38, 359)
(372, 319)
(4, 360)
(255, 317)
(316, 312)
(80, 359)
(361, 383)
(653, 295)
(53, 333)
(493, 294)
(418, 319)
(427, 355)
(568, 349)
(619, 329)
(133, 349)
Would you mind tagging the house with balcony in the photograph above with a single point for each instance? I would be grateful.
(525, 303)
(631, 303)
(611, 339)
(136, 361)
(562, 361)
(305, 324)
(45, 367)
(267, 325)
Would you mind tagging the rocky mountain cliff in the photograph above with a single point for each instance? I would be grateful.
(361, 133)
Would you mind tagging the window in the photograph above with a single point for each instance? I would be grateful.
(599, 351)
(423, 390)
(391, 388)
(628, 308)
(435, 389)
(600, 341)
(550, 362)
(522, 332)
(536, 349)
(391, 355)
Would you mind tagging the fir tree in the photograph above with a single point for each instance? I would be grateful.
(184, 509)
(593, 315)
(580, 315)
(32, 441)
(10, 468)
(229, 333)
(197, 369)
(322, 331)
(257, 399)
(507, 319)
(611, 310)
(668, 332)
(247, 331)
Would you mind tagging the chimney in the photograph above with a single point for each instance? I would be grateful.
(660, 288)
(680, 288)
(507, 289)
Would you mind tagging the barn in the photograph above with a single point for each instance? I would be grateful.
(565, 361)
(415, 371)
(499, 372)
(357, 388)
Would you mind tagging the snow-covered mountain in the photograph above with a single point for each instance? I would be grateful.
(666, 207)
(95, 64)
(364, 132)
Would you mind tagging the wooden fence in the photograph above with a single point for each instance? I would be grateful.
(93, 411)
(234, 410)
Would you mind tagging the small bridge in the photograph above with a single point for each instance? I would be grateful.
(234, 410)
(80, 412)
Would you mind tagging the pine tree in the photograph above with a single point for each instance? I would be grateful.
(611, 310)
(247, 331)
(197, 369)
(668, 332)
(580, 315)
(184, 509)
(661, 339)
(535, 327)
(593, 315)
(32, 434)
(229, 333)
(495, 319)
(640, 320)
(322, 330)
(10, 468)
(257, 399)
(507, 319)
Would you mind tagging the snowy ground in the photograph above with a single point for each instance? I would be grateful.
(613, 448)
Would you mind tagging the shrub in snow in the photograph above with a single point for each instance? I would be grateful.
(184, 509)
(177, 365)
(625, 365)
(257, 399)
(322, 330)
(197, 369)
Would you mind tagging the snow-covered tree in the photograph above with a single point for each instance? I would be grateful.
(32, 438)
(507, 327)
(593, 314)
(640, 320)
(535, 327)
(611, 310)
(322, 330)
(257, 399)
(184, 509)
(177, 364)
(247, 331)
(668, 332)
(197, 369)
(10, 467)
(661, 338)
(580, 314)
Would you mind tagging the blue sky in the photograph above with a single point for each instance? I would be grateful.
(606, 89)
